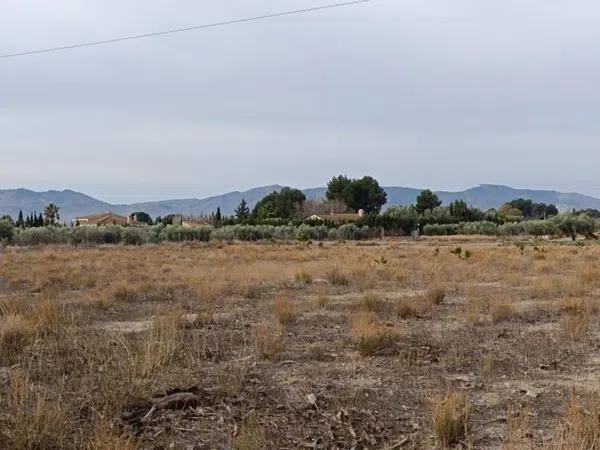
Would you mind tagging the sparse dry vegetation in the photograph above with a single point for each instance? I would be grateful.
(449, 418)
(278, 346)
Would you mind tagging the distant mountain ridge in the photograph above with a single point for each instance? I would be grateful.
(75, 204)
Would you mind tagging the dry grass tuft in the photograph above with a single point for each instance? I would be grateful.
(576, 306)
(48, 318)
(407, 307)
(449, 418)
(337, 278)
(124, 294)
(502, 312)
(285, 311)
(106, 437)
(580, 430)
(269, 340)
(303, 277)
(251, 436)
(574, 327)
(370, 337)
(517, 430)
(435, 295)
(15, 334)
(374, 303)
(34, 423)
(160, 345)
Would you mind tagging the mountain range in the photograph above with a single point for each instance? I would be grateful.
(75, 204)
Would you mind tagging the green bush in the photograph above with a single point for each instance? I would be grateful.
(7, 231)
(437, 229)
(484, 227)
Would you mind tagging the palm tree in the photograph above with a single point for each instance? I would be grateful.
(51, 211)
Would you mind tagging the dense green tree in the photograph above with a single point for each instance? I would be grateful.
(40, 220)
(218, 217)
(242, 212)
(402, 219)
(7, 218)
(20, 221)
(52, 213)
(337, 188)
(6, 230)
(574, 224)
(282, 204)
(142, 217)
(427, 200)
(366, 194)
(363, 193)
(530, 209)
(463, 213)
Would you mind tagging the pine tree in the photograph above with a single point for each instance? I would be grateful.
(242, 212)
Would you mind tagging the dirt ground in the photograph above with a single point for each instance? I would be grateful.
(316, 346)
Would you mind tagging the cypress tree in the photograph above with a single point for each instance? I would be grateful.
(20, 222)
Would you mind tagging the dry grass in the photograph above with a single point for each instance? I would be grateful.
(100, 333)
(251, 436)
(435, 295)
(303, 277)
(269, 340)
(337, 278)
(449, 418)
(580, 429)
(407, 307)
(160, 345)
(502, 312)
(574, 327)
(374, 303)
(107, 437)
(518, 430)
(581, 306)
(15, 334)
(371, 338)
(35, 423)
(285, 311)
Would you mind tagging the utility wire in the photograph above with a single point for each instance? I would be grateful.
(181, 30)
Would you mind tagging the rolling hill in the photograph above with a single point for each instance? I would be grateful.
(74, 204)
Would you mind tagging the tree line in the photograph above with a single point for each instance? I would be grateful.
(290, 207)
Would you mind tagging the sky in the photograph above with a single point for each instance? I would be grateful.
(442, 94)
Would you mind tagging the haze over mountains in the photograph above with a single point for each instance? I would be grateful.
(75, 204)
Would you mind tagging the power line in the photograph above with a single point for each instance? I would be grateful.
(181, 30)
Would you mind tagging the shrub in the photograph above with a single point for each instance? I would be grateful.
(134, 236)
(7, 231)
(437, 229)
(351, 232)
(483, 227)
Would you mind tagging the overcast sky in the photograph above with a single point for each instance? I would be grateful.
(442, 94)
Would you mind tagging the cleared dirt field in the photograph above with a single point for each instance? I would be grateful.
(397, 345)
